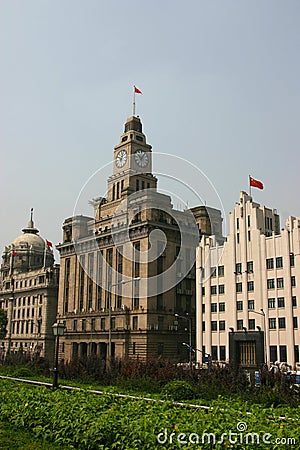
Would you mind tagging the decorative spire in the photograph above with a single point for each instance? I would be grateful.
(30, 228)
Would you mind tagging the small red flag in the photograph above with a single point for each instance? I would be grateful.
(14, 253)
(137, 91)
(49, 243)
(256, 183)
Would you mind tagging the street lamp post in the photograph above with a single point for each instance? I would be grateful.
(119, 283)
(58, 330)
(262, 313)
(189, 319)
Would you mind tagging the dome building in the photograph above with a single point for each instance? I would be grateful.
(28, 293)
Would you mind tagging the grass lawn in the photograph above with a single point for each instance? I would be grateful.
(12, 438)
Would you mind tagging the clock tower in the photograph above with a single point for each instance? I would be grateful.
(132, 169)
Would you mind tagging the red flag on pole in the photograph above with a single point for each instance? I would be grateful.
(14, 253)
(49, 243)
(256, 183)
(137, 91)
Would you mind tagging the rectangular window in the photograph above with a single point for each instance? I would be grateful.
(248, 221)
(270, 263)
(238, 238)
(249, 235)
(237, 223)
(272, 323)
(292, 259)
(250, 266)
(238, 268)
(294, 301)
(221, 271)
(293, 281)
(160, 349)
(75, 325)
(271, 283)
(281, 322)
(250, 304)
(214, 352)
(282, 353)
(221, 325)
(251, 324)
(273, 353)
(221, 289)
(159, 302)
(239, 305)
(222, 349)
(203, 290)
(279, 262)
(239, 287)
(280, 283)
(214, 325)
(203, 326)
(160, 322)
(296, 353)
(213, 290)
(83, 324)
(240, 324)
(250, 285)
(203, 308)
(213, 307)
(113, 323)
(222, 307)
(271, 303)
(135, 322)
(295, 322)
(280, 302)
(213, 272)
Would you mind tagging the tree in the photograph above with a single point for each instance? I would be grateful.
(3, 323)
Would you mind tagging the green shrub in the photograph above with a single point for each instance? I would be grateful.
(22, 372)
(178, 390)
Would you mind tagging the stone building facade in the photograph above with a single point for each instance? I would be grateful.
(250, 284)
(128, 270)
(28, 294)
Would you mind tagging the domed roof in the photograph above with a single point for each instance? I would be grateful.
(32, 252)
(29, 241)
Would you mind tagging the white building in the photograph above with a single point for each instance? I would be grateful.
(250, 281)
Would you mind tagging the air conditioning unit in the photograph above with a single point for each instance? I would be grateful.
(83, 310)
(90, 310)
(123, 307)
(75, 311)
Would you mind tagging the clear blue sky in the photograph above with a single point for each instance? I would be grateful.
(220, 84)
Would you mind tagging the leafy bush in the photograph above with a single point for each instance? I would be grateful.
(178, 390)
(23, 372)
(85, 421)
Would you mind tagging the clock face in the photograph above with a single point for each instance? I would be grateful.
(121, 158)
(141, 158)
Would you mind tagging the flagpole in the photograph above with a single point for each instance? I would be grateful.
(250, 186)
(133, 106)
(11, 261)
(45, 255)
